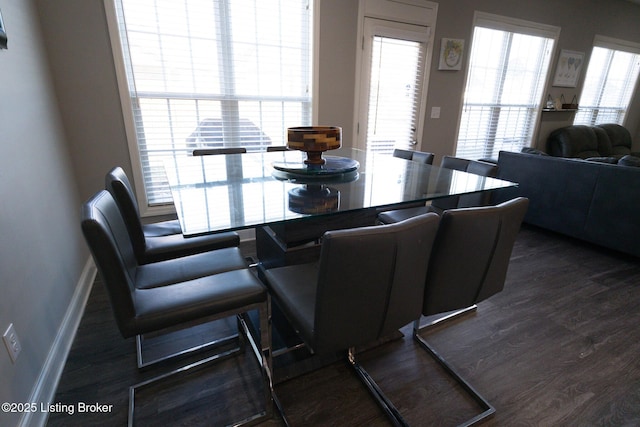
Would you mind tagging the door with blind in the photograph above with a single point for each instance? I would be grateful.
(392, 83)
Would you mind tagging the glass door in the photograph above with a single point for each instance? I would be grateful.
(392, 76)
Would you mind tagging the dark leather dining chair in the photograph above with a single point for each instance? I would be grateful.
(176, 293)
(416, 156)
(215, 151)
(438, 206)
(159, 241)
(272, 148)
(468, 264)
(367, 283)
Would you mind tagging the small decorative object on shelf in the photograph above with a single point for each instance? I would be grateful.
(550, 104)
(560, 104)
(314, 140)
(571, 106)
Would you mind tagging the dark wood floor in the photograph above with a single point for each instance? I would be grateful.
(560, 346)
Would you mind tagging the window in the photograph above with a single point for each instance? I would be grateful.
(392, 85)
(208, 73)
(609, 83)
(508, 68)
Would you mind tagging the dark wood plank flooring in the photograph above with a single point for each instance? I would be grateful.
(559, 346)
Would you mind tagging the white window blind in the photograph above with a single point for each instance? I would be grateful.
(508, 69)
(394, 95)
(609, 84)
(213, 73)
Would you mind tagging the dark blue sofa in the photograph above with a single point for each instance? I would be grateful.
(592, 201)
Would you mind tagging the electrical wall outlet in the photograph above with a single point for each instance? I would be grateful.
(10, 338)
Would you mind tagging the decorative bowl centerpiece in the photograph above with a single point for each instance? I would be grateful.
(314, 199)
(314, 140)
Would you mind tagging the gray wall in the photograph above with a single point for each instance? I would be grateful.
(57, 145)
(41, 252)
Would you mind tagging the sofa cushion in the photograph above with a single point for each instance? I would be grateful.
(581, 141)
(573, 141)
(605, 147)
(629, 160)
(620, 139)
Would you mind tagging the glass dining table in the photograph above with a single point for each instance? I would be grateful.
(291, 206)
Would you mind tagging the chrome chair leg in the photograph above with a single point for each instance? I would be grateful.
(383, 401)
(263, 357)
(447, 317)
(142, 363)
(487, 409)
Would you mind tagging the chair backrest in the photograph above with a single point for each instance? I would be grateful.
(471, 255)
(416, 156)
(108, 239)
(215, 151)
(402, 154)
(271, 148)
(370, 281)
(476, 167)
(117, 183)
(422, 157)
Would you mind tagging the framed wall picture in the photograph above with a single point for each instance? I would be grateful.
(568, 69)
(3, 34)
(451, 53)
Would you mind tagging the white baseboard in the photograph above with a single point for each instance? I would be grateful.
(47, 383)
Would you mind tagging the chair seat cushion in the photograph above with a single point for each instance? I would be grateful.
(162, 228)
(187, 268)
(397, 215)
(165, 306)
(297, 296)
(160, 248)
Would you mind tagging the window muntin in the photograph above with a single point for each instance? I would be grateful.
(213, 73)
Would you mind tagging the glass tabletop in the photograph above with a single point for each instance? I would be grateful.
(230, 192)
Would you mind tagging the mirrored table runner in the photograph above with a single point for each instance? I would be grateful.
(230, 192)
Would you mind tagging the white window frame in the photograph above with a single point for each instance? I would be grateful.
(616, 45)
(415, 12)
(513, 25)
(128, 113)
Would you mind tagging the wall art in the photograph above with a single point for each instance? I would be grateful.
(568, 69)
(451, 53)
